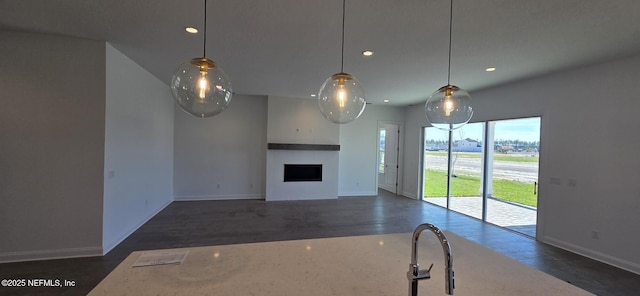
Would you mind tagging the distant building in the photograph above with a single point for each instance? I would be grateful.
(467, 145)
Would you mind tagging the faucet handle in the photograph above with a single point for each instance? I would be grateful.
(425, 273)
(418, 274)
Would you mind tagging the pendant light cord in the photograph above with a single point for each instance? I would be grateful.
(450, 33)
(342, 52)
(204, 31)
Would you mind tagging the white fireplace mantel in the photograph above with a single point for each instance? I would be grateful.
(277, 189)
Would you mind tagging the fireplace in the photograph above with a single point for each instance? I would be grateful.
(303, 173)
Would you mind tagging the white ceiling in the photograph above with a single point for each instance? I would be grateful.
(289, 47)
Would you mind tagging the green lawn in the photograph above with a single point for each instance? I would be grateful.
(464, 185)
(496, 156)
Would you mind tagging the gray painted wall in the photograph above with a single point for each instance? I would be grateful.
(589, 134)
(358, 171)
(51, 146)
(138, 156)
(230, 148)
(221, 157)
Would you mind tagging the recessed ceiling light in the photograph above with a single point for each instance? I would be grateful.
(490, 69)
(313, 95)
(191, 30)
(386, 100)
(367, 53)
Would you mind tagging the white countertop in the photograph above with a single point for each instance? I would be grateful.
(357, 265)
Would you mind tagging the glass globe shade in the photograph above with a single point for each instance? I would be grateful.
(449, 108)
(341, 98)
(201, 88)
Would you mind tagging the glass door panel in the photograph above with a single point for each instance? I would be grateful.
(466, 164)
(513, 174)
(434, 177)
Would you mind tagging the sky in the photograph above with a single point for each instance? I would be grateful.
(524, 129)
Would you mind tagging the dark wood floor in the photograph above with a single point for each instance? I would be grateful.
(202, 223)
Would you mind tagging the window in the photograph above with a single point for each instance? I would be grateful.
(381, 151)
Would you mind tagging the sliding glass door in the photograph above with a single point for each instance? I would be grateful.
(491, 174)
(513, 192)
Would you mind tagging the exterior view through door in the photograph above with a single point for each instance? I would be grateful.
(494, 171)
(388, 143)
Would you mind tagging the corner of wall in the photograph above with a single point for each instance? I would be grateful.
(138, 146)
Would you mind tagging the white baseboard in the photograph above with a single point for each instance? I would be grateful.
(409, 195)
(217, 197)
(387, 188)
(108, 246)
(50, 254)
(358, 193)
(598, 256)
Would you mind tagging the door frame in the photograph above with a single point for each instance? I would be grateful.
(487, 172)
(400, 154)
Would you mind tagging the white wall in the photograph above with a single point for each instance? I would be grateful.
(589, 134)
(359, 150)
(414, 121)
(221, 157)
(138, 156)
(299, 121)
(51, 146)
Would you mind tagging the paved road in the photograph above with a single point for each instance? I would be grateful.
(507, 170)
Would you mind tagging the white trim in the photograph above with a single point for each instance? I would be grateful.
(400, 157)
(357, 193)
(217, 197)
(107, 247)
(409, 195)
(50, 254)
(595, 255)
(391, 189)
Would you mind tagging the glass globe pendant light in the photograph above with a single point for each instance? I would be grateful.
(449, 107)
(200, 86)
(341, 97)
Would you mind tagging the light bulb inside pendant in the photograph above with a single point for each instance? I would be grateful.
(203, 85)
(448, 104)
(341, 94)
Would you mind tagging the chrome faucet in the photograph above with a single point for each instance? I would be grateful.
(415, 274)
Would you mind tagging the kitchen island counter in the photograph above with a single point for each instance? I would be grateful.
(357, 265)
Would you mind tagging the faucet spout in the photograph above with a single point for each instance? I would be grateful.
(415, 274)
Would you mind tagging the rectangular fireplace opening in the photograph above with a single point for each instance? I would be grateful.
(303, 172)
